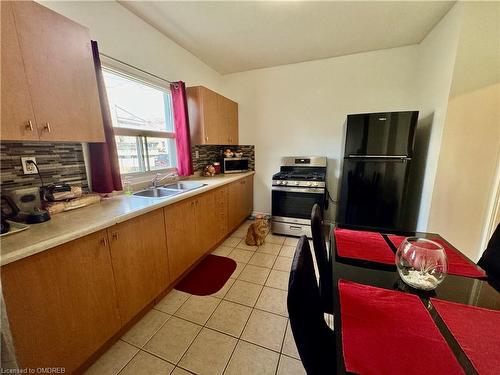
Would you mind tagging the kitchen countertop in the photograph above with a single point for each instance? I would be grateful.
(68, 226)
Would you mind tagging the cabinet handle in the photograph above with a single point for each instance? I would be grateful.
(206, 139)
(103, 241)
(47, 127)
(29, 126)
(114, 236)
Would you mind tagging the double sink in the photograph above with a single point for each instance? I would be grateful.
(169, 190)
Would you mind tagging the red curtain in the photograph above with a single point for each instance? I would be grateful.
(105, 170)
(181, 122)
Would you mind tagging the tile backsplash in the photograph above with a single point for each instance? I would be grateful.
(208, 154)
(58, 162)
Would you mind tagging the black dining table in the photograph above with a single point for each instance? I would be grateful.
(465, 290)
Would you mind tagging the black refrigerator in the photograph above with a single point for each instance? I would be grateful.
(376, 164)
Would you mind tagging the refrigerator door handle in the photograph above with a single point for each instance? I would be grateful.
(378, 156)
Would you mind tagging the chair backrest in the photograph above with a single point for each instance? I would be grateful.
(315, 341)
(490, 260)
(324, 265)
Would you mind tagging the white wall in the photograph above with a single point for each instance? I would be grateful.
(436, 59)
(470, 145)
(124, 36)
(301, 108)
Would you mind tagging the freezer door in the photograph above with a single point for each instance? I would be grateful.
(373, 194)
(380, 134)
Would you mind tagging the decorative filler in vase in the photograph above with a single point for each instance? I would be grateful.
(421, 263)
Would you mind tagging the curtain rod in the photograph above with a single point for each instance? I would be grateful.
(136, 68)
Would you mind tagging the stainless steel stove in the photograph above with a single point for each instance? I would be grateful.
(300, 183)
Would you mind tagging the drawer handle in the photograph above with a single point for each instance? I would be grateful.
(47, 127)
(103, 241)
(114, 236)
(29, 126)
(292, 227)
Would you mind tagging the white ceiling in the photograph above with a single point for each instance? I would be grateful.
(237, 36)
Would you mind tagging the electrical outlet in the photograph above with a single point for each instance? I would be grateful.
(28, 168)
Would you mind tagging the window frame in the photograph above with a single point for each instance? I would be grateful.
(127, 72)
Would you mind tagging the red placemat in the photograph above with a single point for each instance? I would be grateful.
(389, 332)
(458, 264)
(477, 331)
(357, 244)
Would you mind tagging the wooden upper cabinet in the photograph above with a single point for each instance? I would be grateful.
(213, 118)
(229, 113)
(60, 75)
(61, 303)
(17, 116)
(140, 262)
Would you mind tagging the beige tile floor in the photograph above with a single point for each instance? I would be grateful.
(241, 329)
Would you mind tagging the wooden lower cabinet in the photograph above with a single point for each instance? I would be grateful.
(221, 219)
(205, 222)
(140, 262)
(181, 237)
(240, 201)
(65, 303)
(194, 227)
(61, 303)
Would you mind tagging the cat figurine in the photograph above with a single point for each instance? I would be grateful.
(257, 231)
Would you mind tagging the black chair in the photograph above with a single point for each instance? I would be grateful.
(324, 265)
(315, 341)
(490, 260)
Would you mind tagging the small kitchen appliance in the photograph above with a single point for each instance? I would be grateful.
(235, 165)
(299, 185)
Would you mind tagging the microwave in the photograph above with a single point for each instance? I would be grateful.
(235, 165)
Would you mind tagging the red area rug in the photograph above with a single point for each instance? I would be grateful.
(208, 277)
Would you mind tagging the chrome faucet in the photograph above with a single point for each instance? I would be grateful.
(158, 178)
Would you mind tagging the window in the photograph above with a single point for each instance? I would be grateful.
(143, 123)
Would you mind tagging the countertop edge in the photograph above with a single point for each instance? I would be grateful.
(57, 240)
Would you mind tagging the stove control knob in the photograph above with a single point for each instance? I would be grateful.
(284, 182)
(309, 183)
(315, 184)
(278, 182)
(296, 183)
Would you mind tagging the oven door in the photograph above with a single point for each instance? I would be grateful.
(294, 205)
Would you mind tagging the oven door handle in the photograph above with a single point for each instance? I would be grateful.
(299, 190)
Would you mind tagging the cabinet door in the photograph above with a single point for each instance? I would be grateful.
(140, 261)
(228, 121)
(232, 122)
(221, 212)
(234, 202)
(210, 117)
(181, 236)
(206, 222)
(61, 303)
(59, 66)
(18, 119)
(248, 196)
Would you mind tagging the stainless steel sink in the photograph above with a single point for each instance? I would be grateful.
(184, 185)
(157, 193)
(169, 190)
